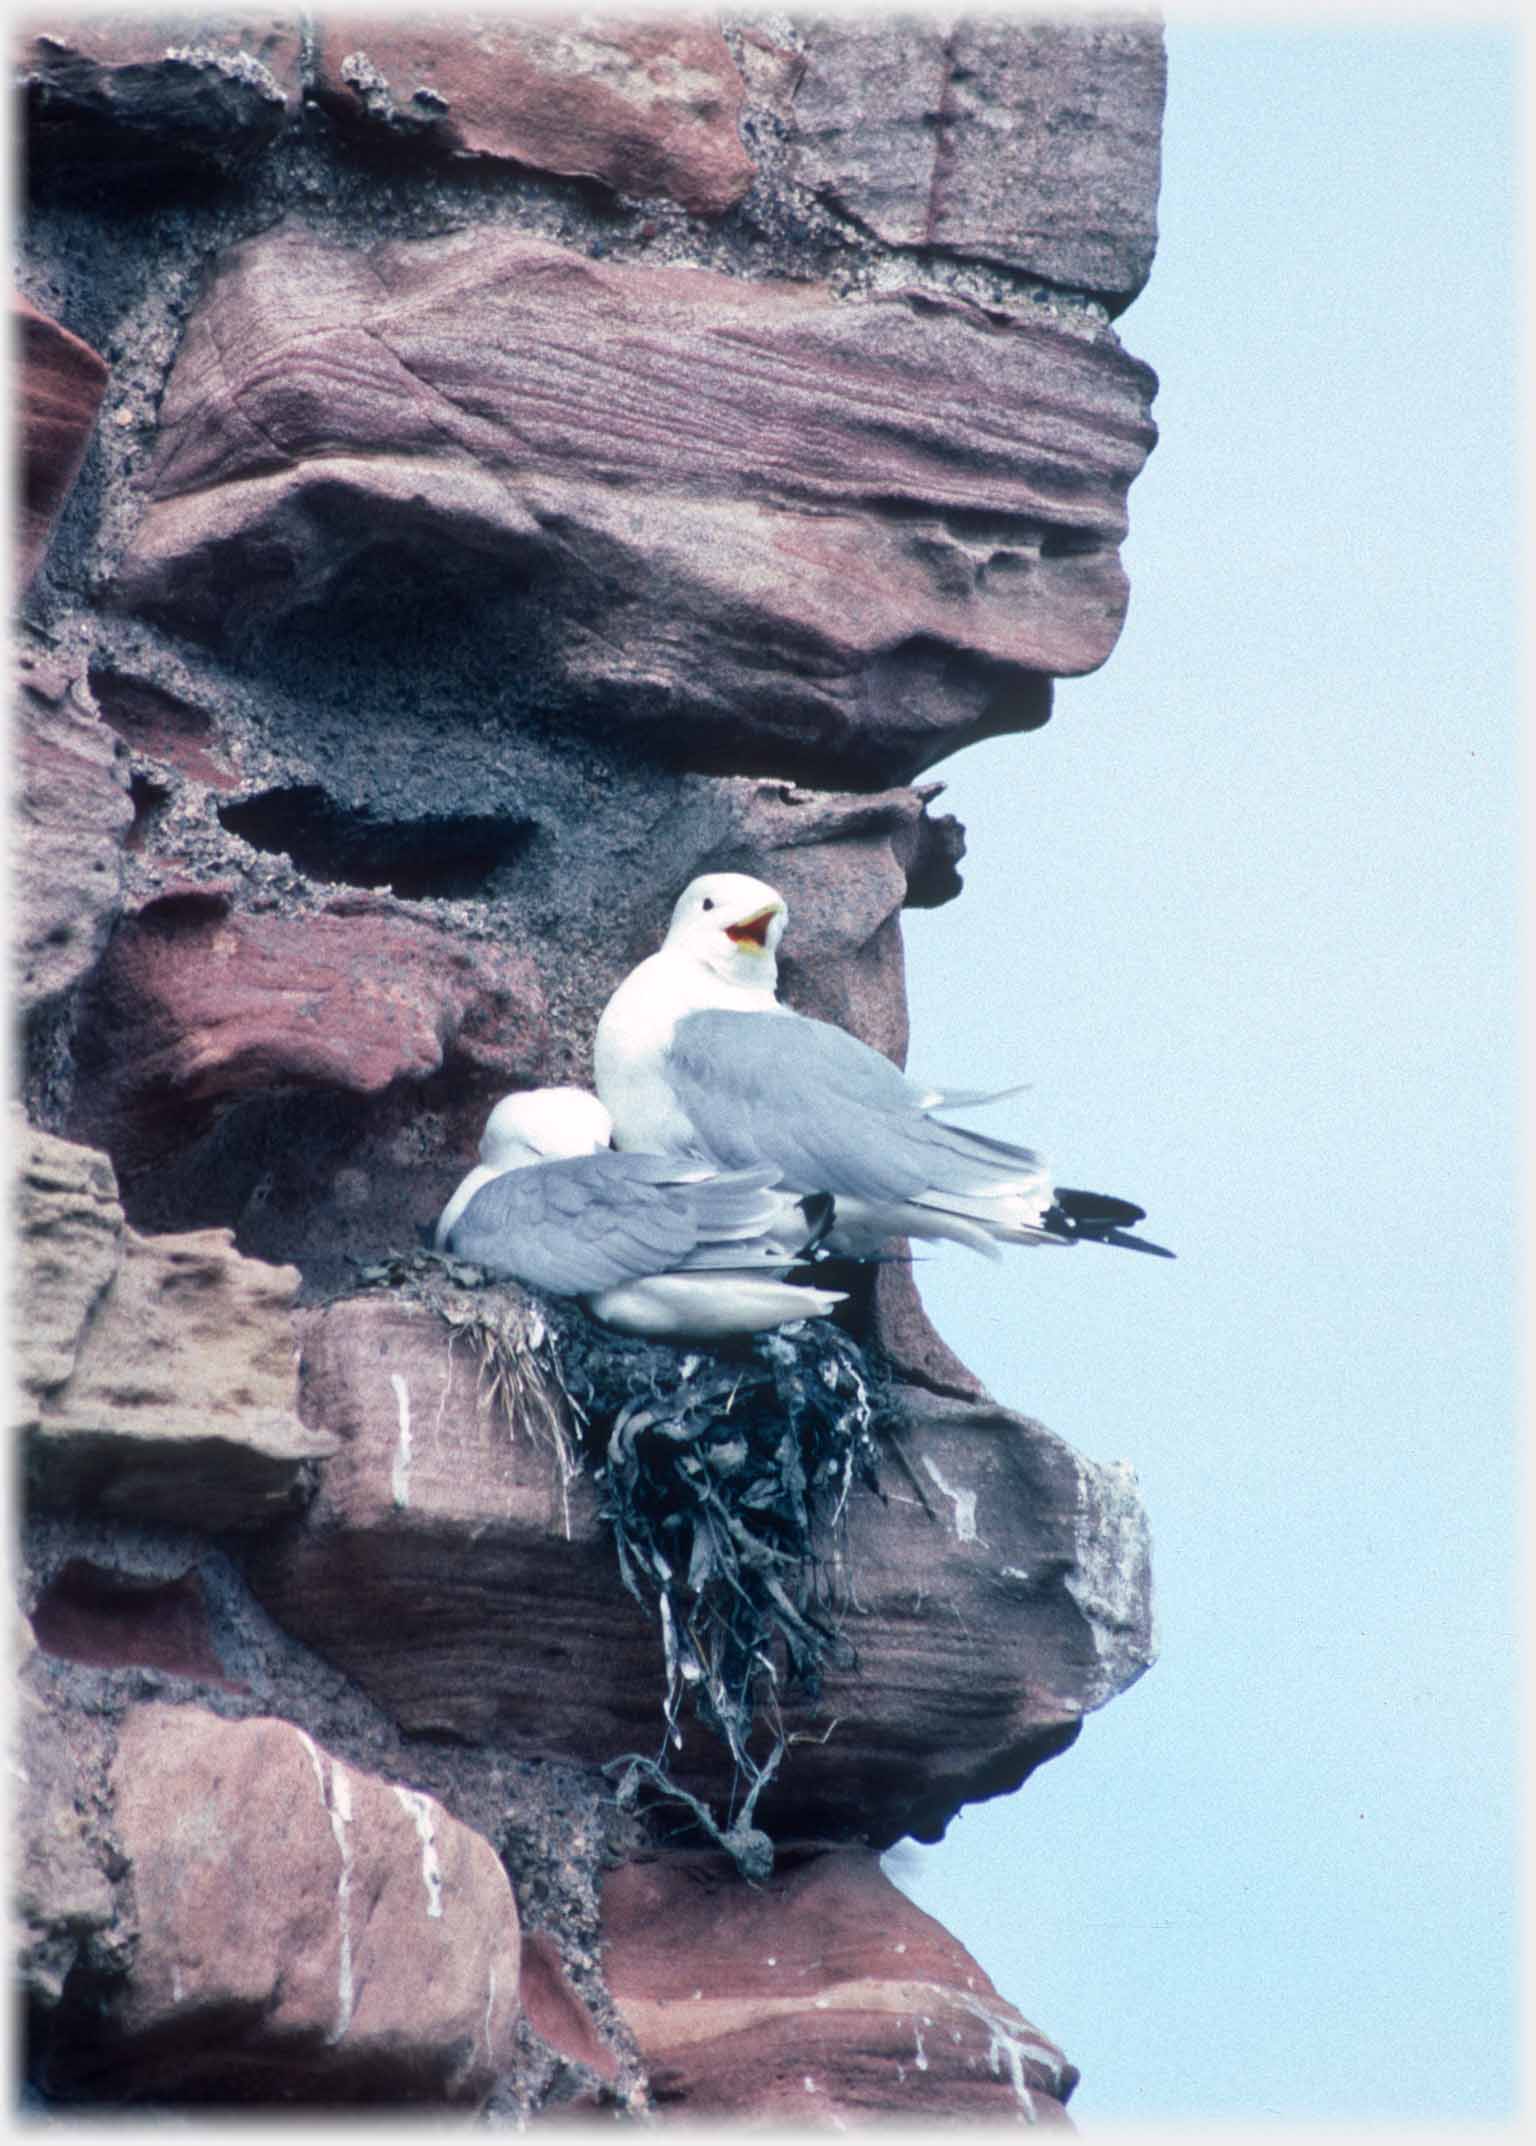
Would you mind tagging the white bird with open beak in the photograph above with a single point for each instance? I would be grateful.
(651, 1244)
(696, 1057)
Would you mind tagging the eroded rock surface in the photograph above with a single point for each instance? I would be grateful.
(63, 1905)
(742, 518)
(142, 92)
(196, 1004)
(649, 105)
(61, 382)
(70, 817)
(1034, 144)
(818, 1999)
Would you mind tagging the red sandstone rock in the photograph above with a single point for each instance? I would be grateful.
(819, 1998)
(159, 725)
(1031, 144)
(306, 1931)
(900, 1324)
(1001, 1592)
(647, 106)
(112, 1620)
(197, 1004)
(755, 519)
(844, 866)
(138, 90)
(71, 819)
(555, 2011)
(60, 384)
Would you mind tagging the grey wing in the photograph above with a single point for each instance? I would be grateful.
(584, 1223)
(830, 1113)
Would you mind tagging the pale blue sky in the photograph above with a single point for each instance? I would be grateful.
(1245, 914)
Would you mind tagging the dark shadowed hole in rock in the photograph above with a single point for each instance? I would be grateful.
(189, 906)
(452, 859)
(148, 800)
(1069, 544)
(145, 714)
(110, 1620)
(312, 1177)
(424, 615)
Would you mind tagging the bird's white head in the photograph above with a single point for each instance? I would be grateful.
(731, 924)
(543, 1125)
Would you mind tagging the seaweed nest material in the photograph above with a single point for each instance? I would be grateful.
(724, 1475)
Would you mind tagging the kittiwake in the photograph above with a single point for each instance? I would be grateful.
(695, 1057)
(652, 1244)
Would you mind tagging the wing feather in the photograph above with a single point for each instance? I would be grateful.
(583, 1223)
(829, 1112)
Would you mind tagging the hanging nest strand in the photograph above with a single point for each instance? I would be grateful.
(725, 1479)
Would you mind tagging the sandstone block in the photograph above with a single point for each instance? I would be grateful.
(142, 91)
(307, 1932)
(198, 1004)
(727, 515)
(69, 1243)
(65, 1912)
(72, 814)
(158, 1373)
(649, 105)
(1032, 144)
(60, 382)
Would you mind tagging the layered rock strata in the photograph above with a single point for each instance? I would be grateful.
(821, 1998)
(479, 474)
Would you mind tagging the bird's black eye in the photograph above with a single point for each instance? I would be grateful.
(708, 902)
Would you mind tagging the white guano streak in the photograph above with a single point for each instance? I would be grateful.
(400, 1474)
(490, 2006)
(1007, 2043)
(336, 1800)
(420, 1811)
(964, 1503)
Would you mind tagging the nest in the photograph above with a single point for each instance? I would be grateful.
(724, 1476)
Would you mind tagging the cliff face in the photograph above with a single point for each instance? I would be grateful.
(479, 475)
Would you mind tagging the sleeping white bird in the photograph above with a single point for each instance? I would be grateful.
(696, 1057)
(651, 1244)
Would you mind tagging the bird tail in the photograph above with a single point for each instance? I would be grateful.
(983, 1192)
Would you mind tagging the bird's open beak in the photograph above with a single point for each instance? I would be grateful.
(753, 931)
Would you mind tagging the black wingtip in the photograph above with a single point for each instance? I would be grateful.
(1089, 1214)
(820, 1212)
(1099, 1218)
(1128, 1243)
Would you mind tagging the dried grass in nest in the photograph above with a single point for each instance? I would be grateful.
(507, 1331)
